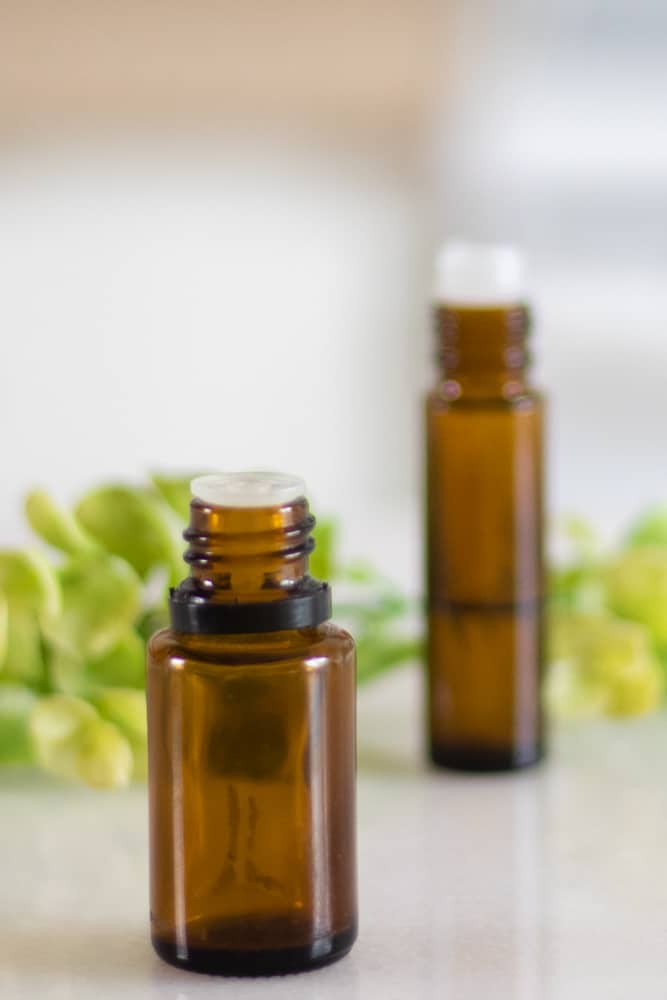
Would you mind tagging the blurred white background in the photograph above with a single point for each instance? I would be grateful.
(219, 307)
(229, 267)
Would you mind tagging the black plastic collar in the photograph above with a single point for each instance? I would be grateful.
(305, 607)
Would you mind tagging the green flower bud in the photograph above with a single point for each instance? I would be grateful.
(71, 741)
(127, 710)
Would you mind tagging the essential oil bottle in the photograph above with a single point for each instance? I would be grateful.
(485, 584)
(251, 739)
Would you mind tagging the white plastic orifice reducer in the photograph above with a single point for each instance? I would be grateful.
(248, 489)
(479, 274)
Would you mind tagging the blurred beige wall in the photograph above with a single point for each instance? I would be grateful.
(363, 68)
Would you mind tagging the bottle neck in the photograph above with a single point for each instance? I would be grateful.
(248, 555)
(482, 351)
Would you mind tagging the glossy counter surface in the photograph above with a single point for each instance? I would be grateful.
(549, 884)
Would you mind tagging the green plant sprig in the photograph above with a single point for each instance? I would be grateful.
(73, 624)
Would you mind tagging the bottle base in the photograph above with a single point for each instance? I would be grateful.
(256, 962)
(482, 759)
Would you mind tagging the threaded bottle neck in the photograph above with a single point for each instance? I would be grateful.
(483, 351)
(251, 554)
(249, 540)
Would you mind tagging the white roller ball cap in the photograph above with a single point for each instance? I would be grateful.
(247, 489)
(479, 274)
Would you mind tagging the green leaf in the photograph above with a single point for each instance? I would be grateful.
(28, 581)
(101, 601)
(123, 666)
(55, 525)
(101, 756)
(637, 688)
(126, 709)
(53, 720)
(153, 620)
(24, 654)
(120, 666)
(649, 529)
(322, 558)
(175, 491)
(570, 693)
(575, 579)
(135, 525)
(4, 629)
(71, 741)
(377, 654)
(636, 588)
(359, 572)
(577, 588)
(31, 598)
(600, 665)
(16, 703)
(580, 536)
(66, 670)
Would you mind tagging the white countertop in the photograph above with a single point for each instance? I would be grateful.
(545, 884)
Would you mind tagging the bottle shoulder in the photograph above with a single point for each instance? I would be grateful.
(320, 644)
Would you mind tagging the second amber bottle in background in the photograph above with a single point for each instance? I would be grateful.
(484, 519)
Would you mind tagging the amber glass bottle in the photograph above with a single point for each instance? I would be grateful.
(484, 520)
(251, 738)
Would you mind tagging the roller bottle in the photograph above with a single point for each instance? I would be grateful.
(485, 583)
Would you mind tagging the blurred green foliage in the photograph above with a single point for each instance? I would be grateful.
(73, 627)
(607, 647)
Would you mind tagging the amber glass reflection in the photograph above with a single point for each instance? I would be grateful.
(252, 765)
(484, 544)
